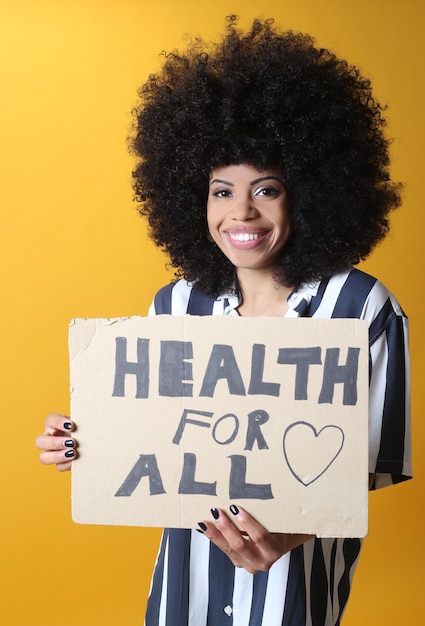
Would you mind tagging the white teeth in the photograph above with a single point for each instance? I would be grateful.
(244, 236)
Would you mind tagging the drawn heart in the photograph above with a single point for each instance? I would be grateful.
(309, 453)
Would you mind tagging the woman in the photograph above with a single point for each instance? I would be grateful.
(263, 171)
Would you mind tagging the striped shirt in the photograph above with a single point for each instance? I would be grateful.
(194, 583)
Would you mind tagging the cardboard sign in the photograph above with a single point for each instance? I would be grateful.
(178, 414)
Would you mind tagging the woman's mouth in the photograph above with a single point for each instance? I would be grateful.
(246, 240)
(244, 236)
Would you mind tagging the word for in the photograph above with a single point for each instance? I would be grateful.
(176, 371)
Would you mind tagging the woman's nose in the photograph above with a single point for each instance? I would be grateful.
(243, 209)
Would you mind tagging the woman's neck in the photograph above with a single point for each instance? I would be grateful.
(261, 295)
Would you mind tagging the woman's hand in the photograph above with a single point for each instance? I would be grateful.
(57, 443)
(252, 547)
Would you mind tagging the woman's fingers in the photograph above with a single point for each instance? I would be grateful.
(62, 460)
(246, 542)
(58, 455)
(56, 443)
(223, 533)
(234, 541)
(57, 423)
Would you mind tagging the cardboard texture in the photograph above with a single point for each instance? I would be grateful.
(178, 414)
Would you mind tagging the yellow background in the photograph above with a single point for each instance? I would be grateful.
(72, 245)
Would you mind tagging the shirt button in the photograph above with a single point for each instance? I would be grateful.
(228, 610)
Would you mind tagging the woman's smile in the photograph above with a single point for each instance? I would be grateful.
(246, 239)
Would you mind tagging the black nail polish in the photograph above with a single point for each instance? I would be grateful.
(234, 509)
(202, 526)
(69, 454)
(67, 425)
(69, 443)
(215, 513)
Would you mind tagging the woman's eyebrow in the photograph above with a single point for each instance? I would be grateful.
(260, 180)
(253, 182)
(223, 182)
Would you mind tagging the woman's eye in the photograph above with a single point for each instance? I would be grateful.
(267, 191)
(222, 193)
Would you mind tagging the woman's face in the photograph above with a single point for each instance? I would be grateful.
(248, 215)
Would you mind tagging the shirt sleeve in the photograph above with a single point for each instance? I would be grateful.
(389, 398)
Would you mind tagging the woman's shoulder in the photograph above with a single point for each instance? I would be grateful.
(377, 294)
(355, 293)
(180, 298)
(171, 296)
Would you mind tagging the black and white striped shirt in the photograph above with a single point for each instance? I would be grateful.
(194, 583)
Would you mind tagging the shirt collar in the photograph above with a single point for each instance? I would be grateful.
(298, 301)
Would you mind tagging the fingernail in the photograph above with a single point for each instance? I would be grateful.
(234, 509)
(215, 513)
(67, 425)
(202, 526)
(69, 454)
(69, 443)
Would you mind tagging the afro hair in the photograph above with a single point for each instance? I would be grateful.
(269, 98)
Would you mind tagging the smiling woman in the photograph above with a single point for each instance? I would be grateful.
(263, 170)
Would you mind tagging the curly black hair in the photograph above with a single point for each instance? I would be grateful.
(270, 99)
